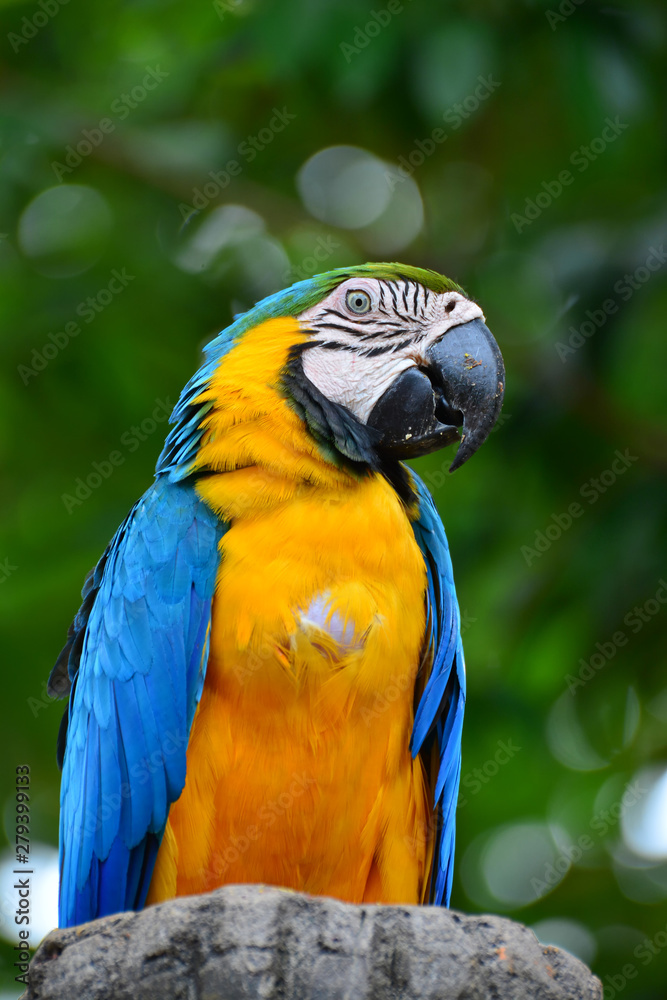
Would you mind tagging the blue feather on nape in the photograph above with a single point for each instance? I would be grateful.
(439, 715)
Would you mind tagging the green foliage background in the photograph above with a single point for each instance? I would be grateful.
(529, 618)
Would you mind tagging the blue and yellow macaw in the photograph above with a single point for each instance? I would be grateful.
(266, 678)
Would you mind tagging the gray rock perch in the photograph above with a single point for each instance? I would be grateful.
(246, 942)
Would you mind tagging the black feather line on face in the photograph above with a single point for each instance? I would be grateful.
(344, 440)
(334, 345)
(375, 352)
(340, 315)
(363, 352)
(341, 327)
(397, 332)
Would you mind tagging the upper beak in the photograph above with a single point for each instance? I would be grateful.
(462, 385)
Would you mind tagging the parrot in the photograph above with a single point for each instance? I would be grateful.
(265, 678)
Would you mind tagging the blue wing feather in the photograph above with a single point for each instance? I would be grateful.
(440, 711)
(136, 678)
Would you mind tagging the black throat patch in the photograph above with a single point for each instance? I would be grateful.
(343, 439)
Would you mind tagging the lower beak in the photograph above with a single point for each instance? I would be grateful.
(462, 385)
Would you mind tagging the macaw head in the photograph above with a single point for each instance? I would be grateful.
(391, 362)
(409, 355)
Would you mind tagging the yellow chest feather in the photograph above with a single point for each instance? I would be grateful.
(298, 769)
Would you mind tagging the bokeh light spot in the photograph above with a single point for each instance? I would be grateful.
(567, 739)
(232, 240)
(520, 863)
(344, 186)
(400, 222)
(64, 230)
(644, 823)
(514, 865)
(568, 934)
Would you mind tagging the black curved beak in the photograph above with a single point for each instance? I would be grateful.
(461, 385)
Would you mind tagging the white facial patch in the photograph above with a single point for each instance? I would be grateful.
(374, 335)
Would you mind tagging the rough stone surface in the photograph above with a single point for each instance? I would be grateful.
(258, 943)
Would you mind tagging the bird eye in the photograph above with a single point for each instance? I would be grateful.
(450, 305)
(358, 301)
